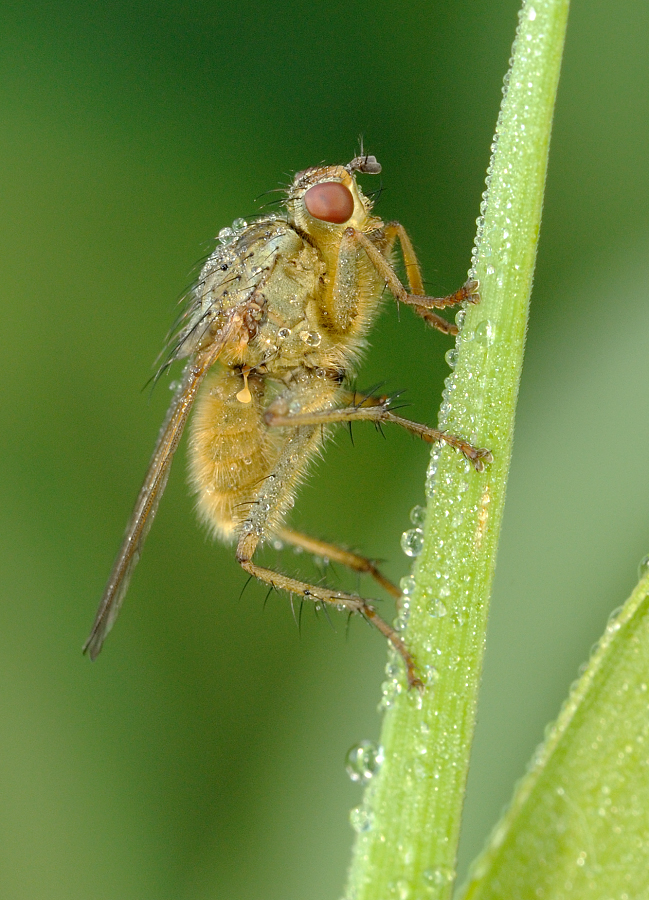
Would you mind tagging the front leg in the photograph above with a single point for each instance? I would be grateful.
(277, 415)
(422, 304)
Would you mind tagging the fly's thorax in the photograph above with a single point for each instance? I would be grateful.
(233, 280)
(237, 268)
(291, 326)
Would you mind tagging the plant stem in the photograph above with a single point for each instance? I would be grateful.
(408, 825)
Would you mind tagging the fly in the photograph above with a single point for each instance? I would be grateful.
(272, 334)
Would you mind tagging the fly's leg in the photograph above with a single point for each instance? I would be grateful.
(278, 417)
(395, 231)
(246, 547)
(272, 501)
(422, 304)
(345, 557)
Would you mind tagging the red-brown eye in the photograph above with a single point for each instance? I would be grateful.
(330, 202)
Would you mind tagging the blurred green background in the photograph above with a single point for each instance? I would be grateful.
(202, 756)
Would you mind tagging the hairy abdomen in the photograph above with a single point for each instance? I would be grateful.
(231, 451)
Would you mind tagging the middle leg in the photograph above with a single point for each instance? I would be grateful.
(277, 416)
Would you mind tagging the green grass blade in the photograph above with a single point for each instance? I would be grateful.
(408, 824)
(579, 821)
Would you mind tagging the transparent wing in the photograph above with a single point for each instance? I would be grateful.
(155, 482)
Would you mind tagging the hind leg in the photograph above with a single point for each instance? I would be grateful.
(353, 561)
(245, 550)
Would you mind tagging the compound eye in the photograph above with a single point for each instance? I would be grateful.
(330, 201)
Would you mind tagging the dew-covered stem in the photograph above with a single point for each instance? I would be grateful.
(408, 824)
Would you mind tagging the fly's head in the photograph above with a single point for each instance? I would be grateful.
(325, 200)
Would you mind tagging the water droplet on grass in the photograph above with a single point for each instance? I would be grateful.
(363, 761)
(412, 541)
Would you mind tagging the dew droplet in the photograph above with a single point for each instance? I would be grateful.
(311, 338)
(436, 608)
(283, 333)
(407, 585)
(431, 675)
(392, 669)
(239, 224)
(225, 235)
(451, 357)
(484, 333)
(360, 819)
(363, 761)
(412, 542)
(438, 877)
(401, 620)
(643, 568)
(418, 516)
(402, 890)
(389, 690)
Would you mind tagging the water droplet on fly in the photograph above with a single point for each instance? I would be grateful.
(311, 338)
(283, 333)
(412, 541)
(225, 235)
(407, 585)
(363, 761)
(239, 224)
(418, 516)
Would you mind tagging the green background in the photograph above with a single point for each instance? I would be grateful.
(202, 755)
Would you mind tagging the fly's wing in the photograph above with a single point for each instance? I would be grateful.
(154, 484)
